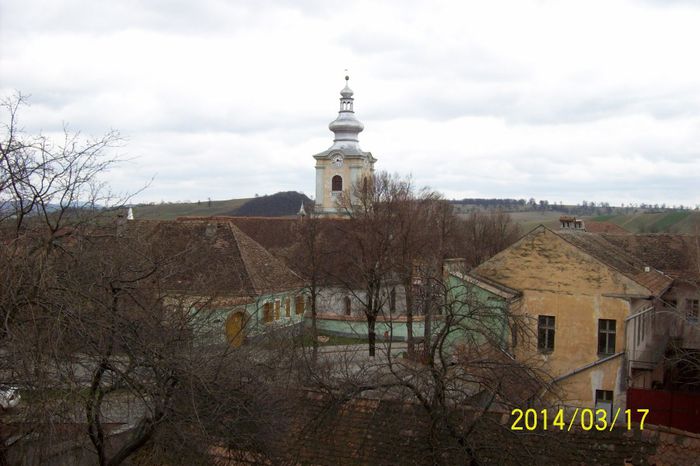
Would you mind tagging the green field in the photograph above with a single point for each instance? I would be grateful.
(685, 222)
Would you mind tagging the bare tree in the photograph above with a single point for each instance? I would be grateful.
(372, 209)
(42, 182)
(474, 372)
(110, 323)
(310, 260)
(419, 244)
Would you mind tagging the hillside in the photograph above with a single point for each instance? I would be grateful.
(170, 211)
(281, 204)
(276, 205)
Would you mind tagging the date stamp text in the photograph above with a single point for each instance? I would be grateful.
(586, 418)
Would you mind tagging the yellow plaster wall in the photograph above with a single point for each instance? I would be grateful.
(328, 173)
(329, 201)
(560, 280)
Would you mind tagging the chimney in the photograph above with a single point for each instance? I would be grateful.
(569, 222)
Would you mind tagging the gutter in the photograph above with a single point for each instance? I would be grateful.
(588, 366)
(628, 296)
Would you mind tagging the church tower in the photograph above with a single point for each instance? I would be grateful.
(342, 164)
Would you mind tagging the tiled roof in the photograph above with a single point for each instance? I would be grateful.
(617, 258)
(326, 431)
(676, 255)
(273, 233)
(212, 257)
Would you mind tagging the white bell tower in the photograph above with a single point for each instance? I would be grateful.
(344, 163)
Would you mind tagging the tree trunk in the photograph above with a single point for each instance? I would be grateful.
(427, 315)
(314, 328)
(409, 318)
(372, 336)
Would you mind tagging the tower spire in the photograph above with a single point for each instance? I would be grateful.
(346, 127)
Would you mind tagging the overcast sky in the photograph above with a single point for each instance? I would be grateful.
(558, 100)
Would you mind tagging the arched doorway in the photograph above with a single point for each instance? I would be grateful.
(234, 329)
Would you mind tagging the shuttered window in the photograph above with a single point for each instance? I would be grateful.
(299, 305)
(267, 312)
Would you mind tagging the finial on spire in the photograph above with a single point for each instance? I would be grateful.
(346, 92)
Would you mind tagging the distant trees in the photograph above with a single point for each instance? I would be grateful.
(483, 234)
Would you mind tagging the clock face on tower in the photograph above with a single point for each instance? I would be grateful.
(337, 160)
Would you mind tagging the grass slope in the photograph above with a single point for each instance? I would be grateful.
(685, 222)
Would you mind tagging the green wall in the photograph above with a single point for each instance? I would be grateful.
(477, 315)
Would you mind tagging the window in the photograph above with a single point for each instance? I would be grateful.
(692, 309)
(267, 312)
(545, 333)
(277, 309)
(392, 300)
(337, 183)
(603, 396)
(604, 400)
(606, 335)
(348, 305)
(287, 307)
(299, 305)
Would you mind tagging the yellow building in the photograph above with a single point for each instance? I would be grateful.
(578, 291)
(344, 163)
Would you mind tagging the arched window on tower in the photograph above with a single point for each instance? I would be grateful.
(337, 183)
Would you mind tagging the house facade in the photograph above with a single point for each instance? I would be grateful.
(578, 291)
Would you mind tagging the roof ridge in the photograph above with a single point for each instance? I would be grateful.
(251, 265)
(243, 256)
